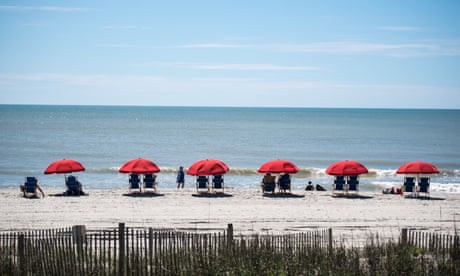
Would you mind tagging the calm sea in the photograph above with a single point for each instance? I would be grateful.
(102, 138)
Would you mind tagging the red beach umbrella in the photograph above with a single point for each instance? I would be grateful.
(346, 168)
(139, 166)
(417, 167)
(64, 166)
(278, 166)
(207, 167)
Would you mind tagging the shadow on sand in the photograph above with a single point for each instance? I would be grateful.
(68, 195)
(282, 195)
(31, 197)
(424, 197)
(212, 195)
(352, 196)
(143, 194)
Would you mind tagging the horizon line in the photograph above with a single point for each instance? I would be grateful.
(233, 106)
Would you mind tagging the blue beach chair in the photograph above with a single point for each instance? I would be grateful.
(268, 184)
(409, 186)
(353, 184)
(134, 182)
(284, 182)
(424, 185)
(218, 183)
(269, 187)
(339, 185)
(30, 187)
(73, 186)
(202, 182)
(149, 182)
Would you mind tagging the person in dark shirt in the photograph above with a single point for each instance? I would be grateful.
(180, 179)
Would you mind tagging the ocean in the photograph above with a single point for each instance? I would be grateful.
(102, 138)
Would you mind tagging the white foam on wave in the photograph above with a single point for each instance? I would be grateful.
(445, 187)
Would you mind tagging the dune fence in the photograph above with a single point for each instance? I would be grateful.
(149, 251)
(430, 241)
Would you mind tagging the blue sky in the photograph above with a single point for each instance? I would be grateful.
(369, 54)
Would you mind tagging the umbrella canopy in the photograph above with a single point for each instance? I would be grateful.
(278, 166)
(346, 168)
(417, 167)
(64, 166)
(207, 167)
(139, 166)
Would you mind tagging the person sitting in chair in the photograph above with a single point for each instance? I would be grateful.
(74, 186)
(284, 183)
(268, 180)
(30, 187)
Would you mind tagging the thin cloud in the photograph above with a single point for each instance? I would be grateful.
(355, 47)
(398, 50)
(119, 27)
(402, 50)
(248, 67)
(128, 46)
(43, 8)
(215, 45)
(125, 27)
(79, 80)
(400, 28)
(230, 66)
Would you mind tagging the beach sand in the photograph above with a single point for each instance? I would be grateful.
(352, 219)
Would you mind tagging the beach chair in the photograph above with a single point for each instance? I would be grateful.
(339, 185)
(73, 186)
(409, 185)
(284, 183)
(134, 182)
(269, 187)
(218, 183)
(353, 184)
(424, 186)
(268, 184)
(30, 186)
(202, 182)
(150, 183)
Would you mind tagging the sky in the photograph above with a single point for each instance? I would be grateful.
(351, 54)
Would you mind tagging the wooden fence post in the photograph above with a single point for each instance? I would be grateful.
(404, 235)
(330, 239)
(121, 249)
(22, 259)
(79, 235)
(229, 234)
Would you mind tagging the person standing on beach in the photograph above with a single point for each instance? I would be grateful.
(180, 179)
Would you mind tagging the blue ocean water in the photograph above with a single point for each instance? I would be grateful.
(102, 138)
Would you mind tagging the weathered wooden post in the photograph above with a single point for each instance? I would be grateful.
(404, 235)
(79, 235)
(21, 249)
(330, 239)
(229, 235)
(151, 249)
(121, 249)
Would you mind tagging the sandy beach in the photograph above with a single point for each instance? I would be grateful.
(352, 219)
